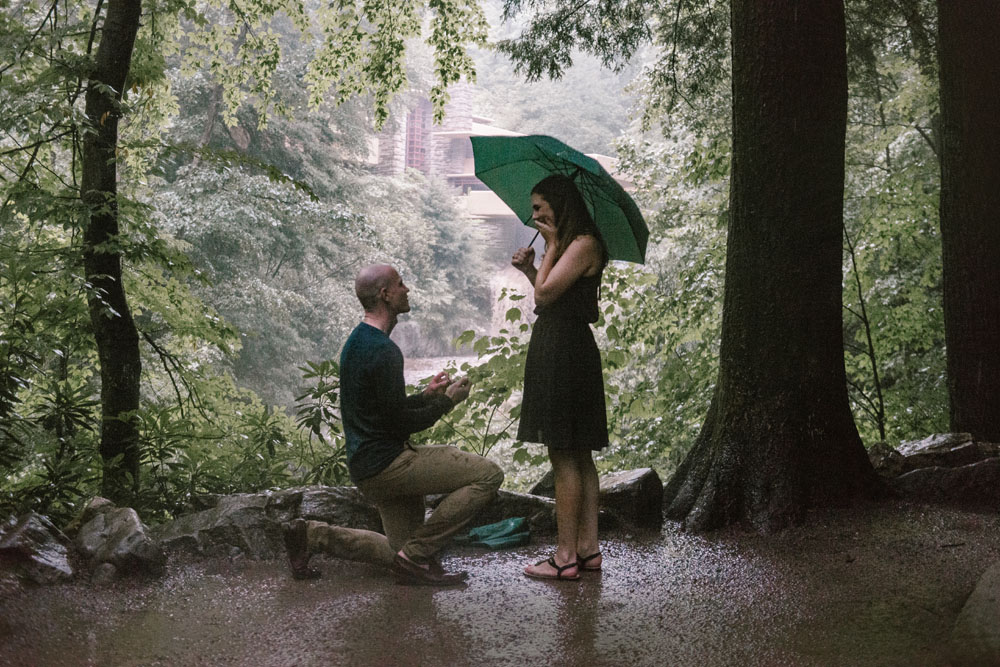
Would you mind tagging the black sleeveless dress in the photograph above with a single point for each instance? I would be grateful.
(563, 401)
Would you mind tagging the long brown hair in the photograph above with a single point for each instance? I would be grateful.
(571, 215)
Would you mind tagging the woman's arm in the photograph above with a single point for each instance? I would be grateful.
(554, 277)
(524, 261)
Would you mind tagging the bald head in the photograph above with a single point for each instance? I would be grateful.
(370, 282)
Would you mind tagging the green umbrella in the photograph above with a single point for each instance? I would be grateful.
(511, 166)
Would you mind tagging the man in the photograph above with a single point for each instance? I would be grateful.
(378, 419)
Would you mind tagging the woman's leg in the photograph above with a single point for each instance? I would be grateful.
(586, 536)
(569, 490)
(569, 502)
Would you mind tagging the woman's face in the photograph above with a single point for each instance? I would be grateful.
(541, 211)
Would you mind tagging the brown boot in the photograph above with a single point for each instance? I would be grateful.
(297, 547)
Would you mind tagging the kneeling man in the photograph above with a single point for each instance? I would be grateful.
(378, 419)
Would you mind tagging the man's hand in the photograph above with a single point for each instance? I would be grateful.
(524, 259)
(438, 383)
(458, 390)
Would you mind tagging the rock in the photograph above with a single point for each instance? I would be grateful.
(240, 520)
(546, 486)
(117, 536)
(203, 501)
(976, 484)
(10, 585)
(339, 506)
(35, 550)
(946, 450)
(104, 573)
(96, 505)
(887, 461)
(934, 443)
(629, 498)
(252, 522)
(539, 510)
(975, 638)
(635, 497)
(946, 467)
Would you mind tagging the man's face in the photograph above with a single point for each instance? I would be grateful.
(395, 295)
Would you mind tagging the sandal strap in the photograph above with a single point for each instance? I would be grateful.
(559, 569)
(583, 560)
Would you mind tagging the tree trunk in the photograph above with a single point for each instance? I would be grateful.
(969, 57)
(779, 436)
(114, 329)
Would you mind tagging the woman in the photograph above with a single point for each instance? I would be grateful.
(563, 403)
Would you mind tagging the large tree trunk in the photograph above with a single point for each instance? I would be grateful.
(114, 329)
(969, 56)
(779, 436)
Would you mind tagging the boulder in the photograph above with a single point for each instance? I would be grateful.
(934, 443)
(974, 484)
(96, 505)
(34, 550)
(634, 497)
(250, 524)
(887, 461)
(945, 467)
(947, 450)
(117, 536)
(628, 498)
(539, 510)
(241, 520)
(339, 506)
(546, 486)
(975, 638)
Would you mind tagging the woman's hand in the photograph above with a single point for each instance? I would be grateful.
(524, 260)
(547, 230)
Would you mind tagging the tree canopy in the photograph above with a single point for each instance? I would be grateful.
(243, 201)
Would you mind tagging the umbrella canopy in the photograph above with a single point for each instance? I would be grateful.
(511, 166)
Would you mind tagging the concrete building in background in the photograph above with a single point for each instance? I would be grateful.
(445, 151)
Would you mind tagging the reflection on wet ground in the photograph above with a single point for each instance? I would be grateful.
(880, 586)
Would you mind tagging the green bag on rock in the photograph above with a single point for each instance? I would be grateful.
(512, 532)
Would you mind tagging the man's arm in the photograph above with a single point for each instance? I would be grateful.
(404, 414)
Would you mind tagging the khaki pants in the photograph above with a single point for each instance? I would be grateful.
(470, 481)
(348, 543)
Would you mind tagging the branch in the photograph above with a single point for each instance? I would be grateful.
(880, 416)
(928, 139)
(867, 400)
(34, 35)
(36, 145)
(170, 361)
(164, 357)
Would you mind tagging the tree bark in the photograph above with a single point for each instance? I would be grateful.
(969, 61)
(114, 329)
(779, 436)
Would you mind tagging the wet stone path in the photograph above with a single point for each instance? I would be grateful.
(874, 586)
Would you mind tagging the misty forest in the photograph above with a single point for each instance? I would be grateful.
(189, 188)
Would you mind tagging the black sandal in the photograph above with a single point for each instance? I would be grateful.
(559, 571)
(582, 561)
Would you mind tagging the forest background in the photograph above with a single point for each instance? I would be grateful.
(247, 205)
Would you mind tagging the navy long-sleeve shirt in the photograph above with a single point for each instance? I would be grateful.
(378, 415)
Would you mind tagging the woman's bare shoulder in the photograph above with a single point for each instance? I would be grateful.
(587, 247)
(587, 242)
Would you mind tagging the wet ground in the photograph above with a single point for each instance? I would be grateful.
(873, 586)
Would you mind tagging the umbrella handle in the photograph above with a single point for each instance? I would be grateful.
(532, 241)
